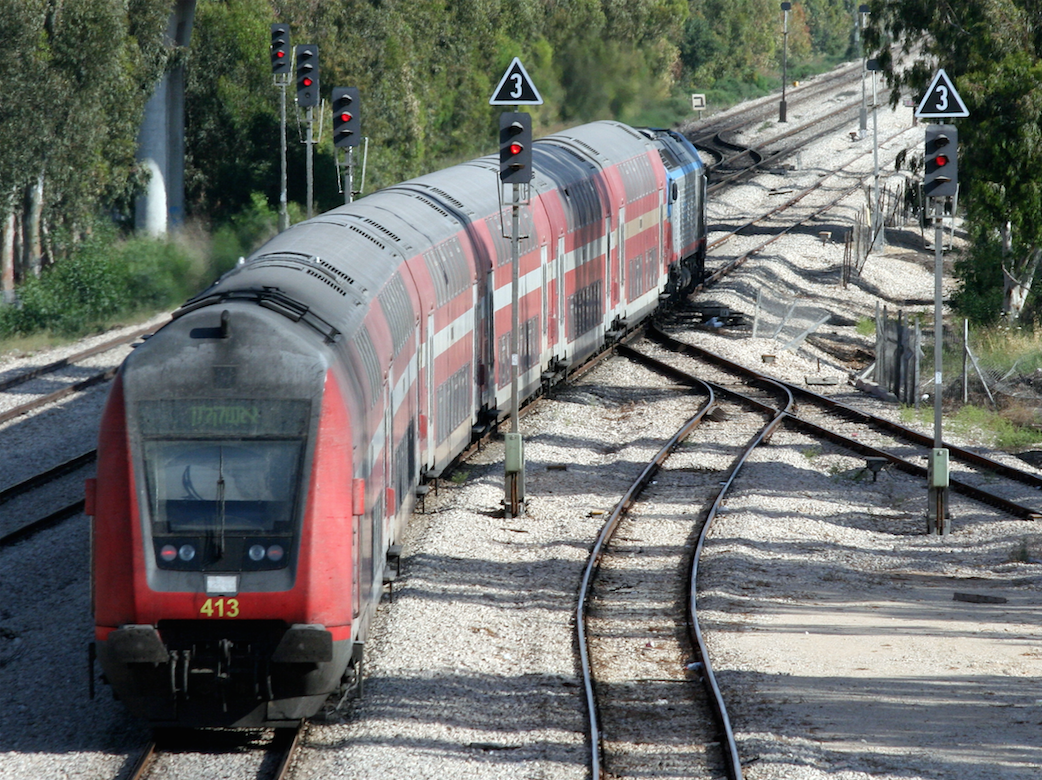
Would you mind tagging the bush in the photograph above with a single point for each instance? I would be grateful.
(100, 281)
(71, 297)
(104, 279)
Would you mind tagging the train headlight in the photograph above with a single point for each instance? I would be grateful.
(257, 552)
(275, 552)
(168, 553)
(187, 552)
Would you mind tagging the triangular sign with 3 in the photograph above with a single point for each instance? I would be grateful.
(516, 88)
(941, 101)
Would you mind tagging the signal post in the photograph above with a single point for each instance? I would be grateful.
(280, 68)
(940, 183)
(515, 169)
(307, 98)
(347, 132)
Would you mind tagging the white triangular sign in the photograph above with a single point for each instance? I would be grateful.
(941, 101)
(516, 88)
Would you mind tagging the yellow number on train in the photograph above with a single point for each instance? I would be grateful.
(220, 608)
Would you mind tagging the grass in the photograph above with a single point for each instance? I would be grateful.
(1013, 428)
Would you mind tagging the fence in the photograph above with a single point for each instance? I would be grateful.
(905, 361)
(788, 322)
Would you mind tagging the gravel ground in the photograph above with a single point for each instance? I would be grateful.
(831, 617)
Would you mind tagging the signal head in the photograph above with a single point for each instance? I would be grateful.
(307, 75)
(347, 118)
(515, 148)
(280, 59)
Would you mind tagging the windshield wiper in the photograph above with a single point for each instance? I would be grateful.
(220, 504)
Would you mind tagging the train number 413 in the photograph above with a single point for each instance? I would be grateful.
(220, 608)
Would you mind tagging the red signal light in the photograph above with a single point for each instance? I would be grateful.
(516, 148)
(345, 117)
(307, 82)
(941, 160)
(280, 54)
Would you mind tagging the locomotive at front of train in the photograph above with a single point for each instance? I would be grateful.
(223, 558)
(687, 181)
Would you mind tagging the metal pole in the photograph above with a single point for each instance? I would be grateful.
(515, 477)
(877, 217)
(283, 205)
(938, 488)
(938, 270)
(349, 175)
(782, 108)
(310, 161)
(862, 11)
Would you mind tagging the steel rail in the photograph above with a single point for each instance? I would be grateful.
(57, 395)
(596, 554)
(856, 415)
(69, 466)
(50, 368)
(42, 523)
(1010, 507)
(144, 762)
(286, 741)
(293, 737)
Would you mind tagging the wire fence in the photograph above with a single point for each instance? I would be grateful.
(905, 366)
(788, 322)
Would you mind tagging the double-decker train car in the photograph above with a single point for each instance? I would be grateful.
(259, 455)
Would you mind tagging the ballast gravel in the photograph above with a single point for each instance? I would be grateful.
(849, 644)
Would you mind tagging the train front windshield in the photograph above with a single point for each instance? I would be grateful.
(238, 486)
(223, 481)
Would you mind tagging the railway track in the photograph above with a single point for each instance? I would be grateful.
(273, 755)
(644, 571)
(973, 470)
(46, 498)
(630, 586)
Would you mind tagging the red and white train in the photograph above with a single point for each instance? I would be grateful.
(259, 456)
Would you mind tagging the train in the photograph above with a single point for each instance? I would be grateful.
(259, 456)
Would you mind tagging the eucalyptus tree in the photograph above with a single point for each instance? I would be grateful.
(993, 51)
(72, 88)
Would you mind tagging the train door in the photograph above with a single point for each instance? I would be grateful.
(544, 302)
(611, 282)
(664, 255)
(621, 251)
(562, 312)
(356, 548)
(385, 503)
(428, 457)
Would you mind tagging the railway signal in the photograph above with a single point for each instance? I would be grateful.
(346, 117)
(280, 52)
(307, 75)
(515, 148)
(942, 169)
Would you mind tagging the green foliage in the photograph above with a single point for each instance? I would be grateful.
(101, 280)
(242, 234)
(866, 326)
(1004, 432)
(78, 55)
(992, 49)
(978, 292)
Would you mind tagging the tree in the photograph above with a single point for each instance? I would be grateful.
(992, 49)
(71, 96)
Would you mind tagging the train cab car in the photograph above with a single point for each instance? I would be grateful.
(217, 566)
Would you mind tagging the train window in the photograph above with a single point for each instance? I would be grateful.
(367, 352)
(398, 311)
(222, 486)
